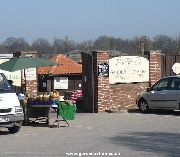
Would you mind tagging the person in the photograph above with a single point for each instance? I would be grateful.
(11, 84)
(15, 88)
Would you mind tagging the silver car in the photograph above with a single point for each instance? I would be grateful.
(164, 94)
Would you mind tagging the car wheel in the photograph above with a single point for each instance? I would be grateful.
(14, 129)
(143, 106)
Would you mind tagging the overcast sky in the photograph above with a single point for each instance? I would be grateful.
(88, 19)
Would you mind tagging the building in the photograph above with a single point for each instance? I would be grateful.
(67, 76)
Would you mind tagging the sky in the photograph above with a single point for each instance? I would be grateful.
(83, 20)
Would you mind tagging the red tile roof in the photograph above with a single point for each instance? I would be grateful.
(66, 66)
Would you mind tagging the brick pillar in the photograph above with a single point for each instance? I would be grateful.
(101, 83)
(154, 66)
(31, 86)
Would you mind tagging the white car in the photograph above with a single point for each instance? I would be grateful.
(164, 94)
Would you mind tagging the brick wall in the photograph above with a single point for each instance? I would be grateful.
(121, 96)
(31, 87)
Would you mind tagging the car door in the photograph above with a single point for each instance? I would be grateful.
(172, 95)
(157, 94)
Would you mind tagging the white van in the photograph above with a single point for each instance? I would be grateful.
(11, 112)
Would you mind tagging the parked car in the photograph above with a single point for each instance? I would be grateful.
(11, 111)
(164, 94)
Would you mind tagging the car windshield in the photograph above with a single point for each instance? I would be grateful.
(5, 87)
(160, 85)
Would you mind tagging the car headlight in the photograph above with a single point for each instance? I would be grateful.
(18, 109)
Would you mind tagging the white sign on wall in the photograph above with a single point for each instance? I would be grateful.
(14, 76)
(31, 74)
(176, 68)
(127, 69)
(60, 82)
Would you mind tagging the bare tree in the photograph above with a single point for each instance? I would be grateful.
(57, 46)
(85, 46)
(136, 45)
(3, 50)
(176, 44)
(43, 48)
(68, 45)
(15, 44)
(102, 43)
(10, 44)
(163, 43)
(123, 46)
(23, 44)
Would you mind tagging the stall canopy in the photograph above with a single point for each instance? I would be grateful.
(25, 62)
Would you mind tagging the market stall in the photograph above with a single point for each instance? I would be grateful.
(39, 108)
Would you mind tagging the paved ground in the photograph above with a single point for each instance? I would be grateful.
(126, 134)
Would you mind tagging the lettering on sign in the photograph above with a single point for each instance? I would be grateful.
(60, 82)
(127, 69)
(31, 74)
(103, 69)
(14, 76)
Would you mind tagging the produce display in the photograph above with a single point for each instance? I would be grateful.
(44, 99)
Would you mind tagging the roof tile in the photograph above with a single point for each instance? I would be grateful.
(66, 66)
